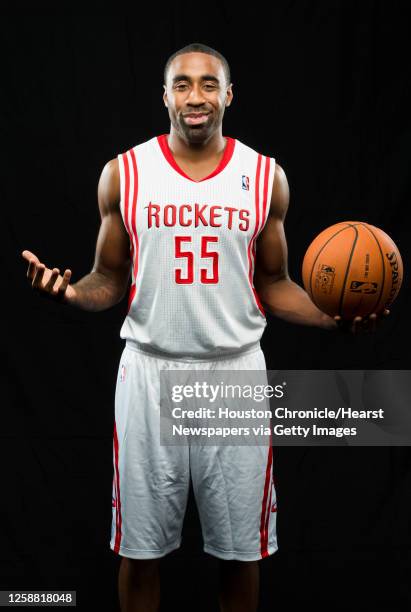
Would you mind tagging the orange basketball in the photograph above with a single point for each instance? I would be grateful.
(352, 269)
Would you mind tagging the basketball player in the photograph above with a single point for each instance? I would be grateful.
(196, 219)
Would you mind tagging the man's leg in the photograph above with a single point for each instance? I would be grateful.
(156, 475)
(239, 586)
(139, 585)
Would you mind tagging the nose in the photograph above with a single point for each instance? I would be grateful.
(196, 95)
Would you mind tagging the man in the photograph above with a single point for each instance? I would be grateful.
(197, 219)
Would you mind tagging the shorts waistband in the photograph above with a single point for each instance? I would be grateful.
(135, 346)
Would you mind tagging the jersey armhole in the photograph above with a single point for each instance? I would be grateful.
(270, 184)
(121, 173)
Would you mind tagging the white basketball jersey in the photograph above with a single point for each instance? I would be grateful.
(193, 249)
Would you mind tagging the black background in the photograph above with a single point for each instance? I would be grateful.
(324, 88)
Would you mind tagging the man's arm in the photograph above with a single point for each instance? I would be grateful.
(107, 282)
(280, 295)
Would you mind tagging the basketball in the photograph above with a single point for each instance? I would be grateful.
(352, 269)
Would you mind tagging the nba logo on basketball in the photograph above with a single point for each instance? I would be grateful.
(245, 182)
(123, 373)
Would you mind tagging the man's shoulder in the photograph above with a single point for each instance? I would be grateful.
(252, 150)
(141, 146)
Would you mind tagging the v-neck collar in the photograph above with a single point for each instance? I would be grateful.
(227, 155)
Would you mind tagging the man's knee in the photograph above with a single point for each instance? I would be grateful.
(235, 564)
(141, 567)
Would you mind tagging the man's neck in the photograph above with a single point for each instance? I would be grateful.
(196, 152)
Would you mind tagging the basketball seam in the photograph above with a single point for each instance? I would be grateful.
(347, 271)
(383, 263)
(317, 256)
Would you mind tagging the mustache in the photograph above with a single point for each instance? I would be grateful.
(197, 111)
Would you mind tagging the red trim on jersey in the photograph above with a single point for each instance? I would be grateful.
(131, 295)
(264, 520)
(265, 194)
(257, 196)
(266, 175)
(250, 252)
(227, 155)
(257, 299)
(132, 232)
(133, 211)
(265, 198)
(126, 201)
(127, 195)
(118, 501)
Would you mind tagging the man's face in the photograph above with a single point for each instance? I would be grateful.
(196, 94)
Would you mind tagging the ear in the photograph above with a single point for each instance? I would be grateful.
(165, 96)
(229, 95)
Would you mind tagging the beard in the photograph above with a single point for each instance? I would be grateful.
(197, 134)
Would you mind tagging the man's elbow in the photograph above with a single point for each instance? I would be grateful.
(265, 281)
(117, 281)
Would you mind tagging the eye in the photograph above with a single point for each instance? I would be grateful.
(180, 86)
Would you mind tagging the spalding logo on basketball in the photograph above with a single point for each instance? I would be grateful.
(352, 269)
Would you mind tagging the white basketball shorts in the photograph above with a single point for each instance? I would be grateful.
(233, 485)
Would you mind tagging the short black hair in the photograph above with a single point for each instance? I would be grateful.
(199, 48)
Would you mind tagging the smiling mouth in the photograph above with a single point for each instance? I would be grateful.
(196, 118)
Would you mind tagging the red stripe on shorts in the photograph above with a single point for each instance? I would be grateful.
(118, 502)
(267, 518)
(264, 520)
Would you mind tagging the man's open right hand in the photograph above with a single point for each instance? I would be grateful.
(48, 282)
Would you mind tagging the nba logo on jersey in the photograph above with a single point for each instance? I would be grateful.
(123, 373)
(245, 182)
